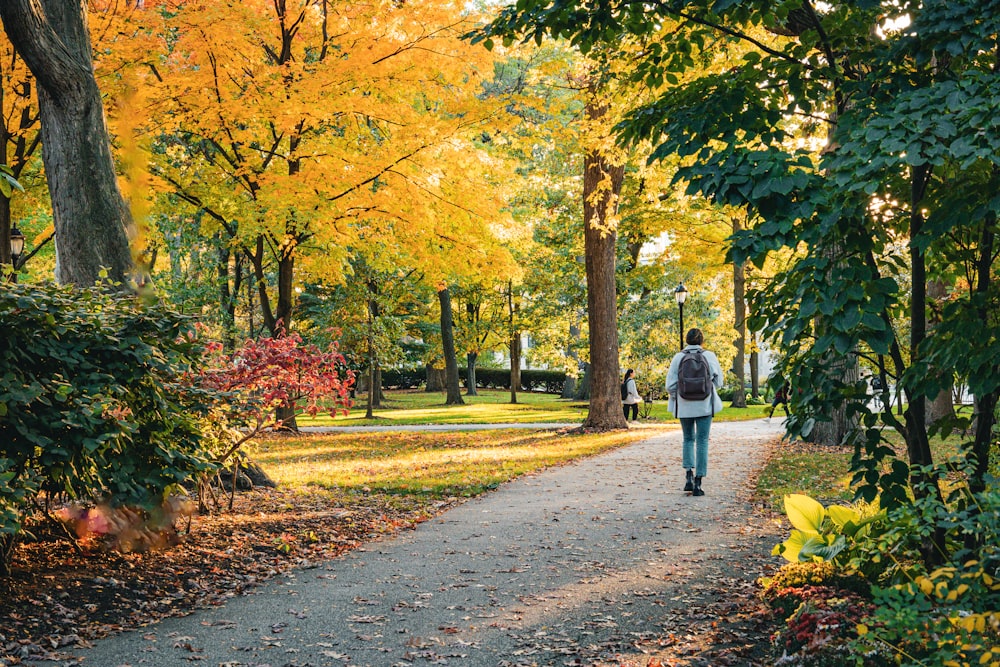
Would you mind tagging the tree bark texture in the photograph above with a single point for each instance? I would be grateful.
(92, 222)
(454, 396)
(515, 365)
(5, 226)
(940, 406)
(569, 384)
(740, 324)
(513, 342)
(602, 182)
(435, 379)
(470, 376)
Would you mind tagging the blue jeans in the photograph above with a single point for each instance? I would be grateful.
(693, 456)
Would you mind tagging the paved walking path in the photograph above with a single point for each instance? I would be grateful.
(576, 565)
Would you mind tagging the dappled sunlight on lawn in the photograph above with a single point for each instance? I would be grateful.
(445, 463)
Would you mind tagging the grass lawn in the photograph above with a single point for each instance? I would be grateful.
(431, 466)
(823, 472)
(415, 406)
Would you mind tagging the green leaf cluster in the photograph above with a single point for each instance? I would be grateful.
(94, 405)
(825, 533)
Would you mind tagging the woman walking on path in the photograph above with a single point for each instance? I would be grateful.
(631, 398)
(694, 376)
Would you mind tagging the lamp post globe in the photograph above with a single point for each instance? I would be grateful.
(680, 294)
(16, 248)
(16, 244)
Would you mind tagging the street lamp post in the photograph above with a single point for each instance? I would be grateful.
(16, 248)
(681, 294)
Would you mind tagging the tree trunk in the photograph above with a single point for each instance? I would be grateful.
(470, 376)
(602, 182)
(435, 379)
(941, 406)
(918, 446)
(5, 225)
(740, 314)
(379, 394)
(448, 342)
(583, 384)
(92, 222)
(985, 406)
(230, 276)
(569, 384)
(371, 389)
(754, 367)
(18, 131)
(515, 365)
(513, 342)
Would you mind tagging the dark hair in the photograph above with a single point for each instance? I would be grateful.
(629, 373)
(695, 337)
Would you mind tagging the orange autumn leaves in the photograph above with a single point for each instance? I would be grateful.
(317, 128)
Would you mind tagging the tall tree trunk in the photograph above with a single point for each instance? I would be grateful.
(569, 384)
(918, 446)
(435, 379)
(20, 133)
(230, 277)
(92, 222)
(985, 406)
(5, 225)
(740, 324)
(473, 312)
(372, 393)
(515, 365)
(454, 396)
(514, 342)
(281, 323)
(602, 182)
(940, 406)
(583, 384)
(470, 374)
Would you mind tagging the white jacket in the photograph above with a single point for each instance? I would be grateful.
(683, 408)
(633, 397)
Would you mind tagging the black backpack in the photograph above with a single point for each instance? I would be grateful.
(694, 378)
(624, 390)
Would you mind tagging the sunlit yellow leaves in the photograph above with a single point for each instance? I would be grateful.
(330, 120)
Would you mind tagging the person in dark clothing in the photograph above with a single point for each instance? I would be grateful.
(632, 399)
(780, 398)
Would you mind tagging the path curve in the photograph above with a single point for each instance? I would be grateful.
(582, 564)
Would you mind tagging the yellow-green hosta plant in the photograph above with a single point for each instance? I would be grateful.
(824, 533)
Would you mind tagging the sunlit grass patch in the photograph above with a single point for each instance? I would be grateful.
(428, 464)
(818, 471)
(823, 472)
(491, 406)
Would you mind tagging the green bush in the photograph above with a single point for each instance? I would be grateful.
(948, 617)
(94, 405)
(549, 382)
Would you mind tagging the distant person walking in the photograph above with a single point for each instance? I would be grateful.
(630, 396)
(780, 398)
(692, 381)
